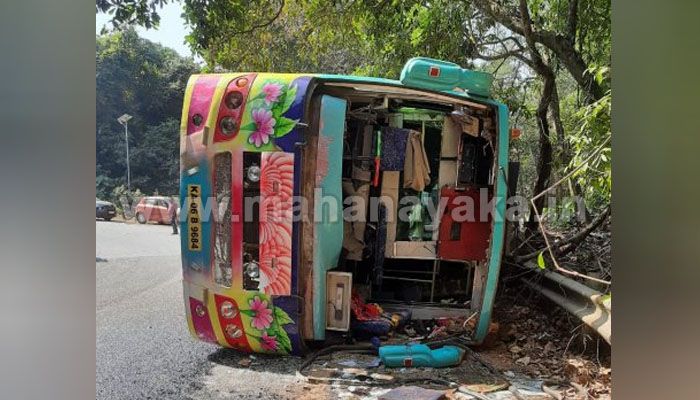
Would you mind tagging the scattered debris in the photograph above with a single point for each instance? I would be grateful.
(370, 320)
(465, 393)
(523, 360)
(412, 392)
(374, 363)
(245, 362)
(531, 358)
(484, 387)
(348, 363)
(577, 371)
(359, 390)
(540, 344)
(354, 373)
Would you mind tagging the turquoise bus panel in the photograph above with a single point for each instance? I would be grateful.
(328, 218)
(195, 226)
(498, 235)
(442, 75)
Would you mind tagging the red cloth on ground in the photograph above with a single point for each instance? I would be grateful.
(363, 311)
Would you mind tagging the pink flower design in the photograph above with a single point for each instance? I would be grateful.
(268, 342)
(276, 195)
(265, 127)
(272, 92)
(263, 315)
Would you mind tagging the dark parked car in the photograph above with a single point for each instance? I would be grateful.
(104, 209)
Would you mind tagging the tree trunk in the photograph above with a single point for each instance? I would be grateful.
(544, 160)
(565, 154)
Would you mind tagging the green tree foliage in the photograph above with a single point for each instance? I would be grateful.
(147, 81)
(593, 134)
(128, 12)
(124, 200)
(567, 41)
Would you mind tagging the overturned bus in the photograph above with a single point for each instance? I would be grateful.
(302, 192)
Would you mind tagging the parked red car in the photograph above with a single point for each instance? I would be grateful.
(156, 209)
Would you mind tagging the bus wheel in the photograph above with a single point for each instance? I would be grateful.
(141, 218)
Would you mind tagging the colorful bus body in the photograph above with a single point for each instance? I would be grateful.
(260, 286)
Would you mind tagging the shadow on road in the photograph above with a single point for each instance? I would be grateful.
(286, 365)
(112, 221)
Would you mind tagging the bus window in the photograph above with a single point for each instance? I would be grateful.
(222, 247)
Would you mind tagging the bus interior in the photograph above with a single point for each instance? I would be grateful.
(402, 242)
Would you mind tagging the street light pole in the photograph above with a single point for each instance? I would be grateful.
(124, 120)
(128, 169)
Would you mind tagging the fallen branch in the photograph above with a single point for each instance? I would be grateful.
(571, 240)
(541, 226)
(554, 259)
(567, 176)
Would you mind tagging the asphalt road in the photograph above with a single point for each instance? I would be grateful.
(144, 350)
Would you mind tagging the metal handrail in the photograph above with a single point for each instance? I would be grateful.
(588, 305)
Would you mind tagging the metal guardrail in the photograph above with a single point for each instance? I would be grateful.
(590, 306)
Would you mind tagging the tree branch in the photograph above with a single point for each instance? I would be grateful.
(572, 22)
(500, 56)
(544, 161)
(559, 44)
(571, 240)
(263, 24)
(502, 41)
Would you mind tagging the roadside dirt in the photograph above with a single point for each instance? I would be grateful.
(537, 346)
(543, 342)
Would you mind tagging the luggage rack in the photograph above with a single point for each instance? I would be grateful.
(426, 311)
(433, 275)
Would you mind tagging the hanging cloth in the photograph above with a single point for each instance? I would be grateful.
(416, 227)
(354, 232)
(393, 148)
(416, 171)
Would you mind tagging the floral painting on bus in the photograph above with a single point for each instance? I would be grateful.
(276, 191)
(266, 113)
(233, 114)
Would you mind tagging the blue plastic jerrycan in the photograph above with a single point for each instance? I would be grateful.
(420, 355)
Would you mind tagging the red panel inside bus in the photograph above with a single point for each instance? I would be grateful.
(468, 239)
